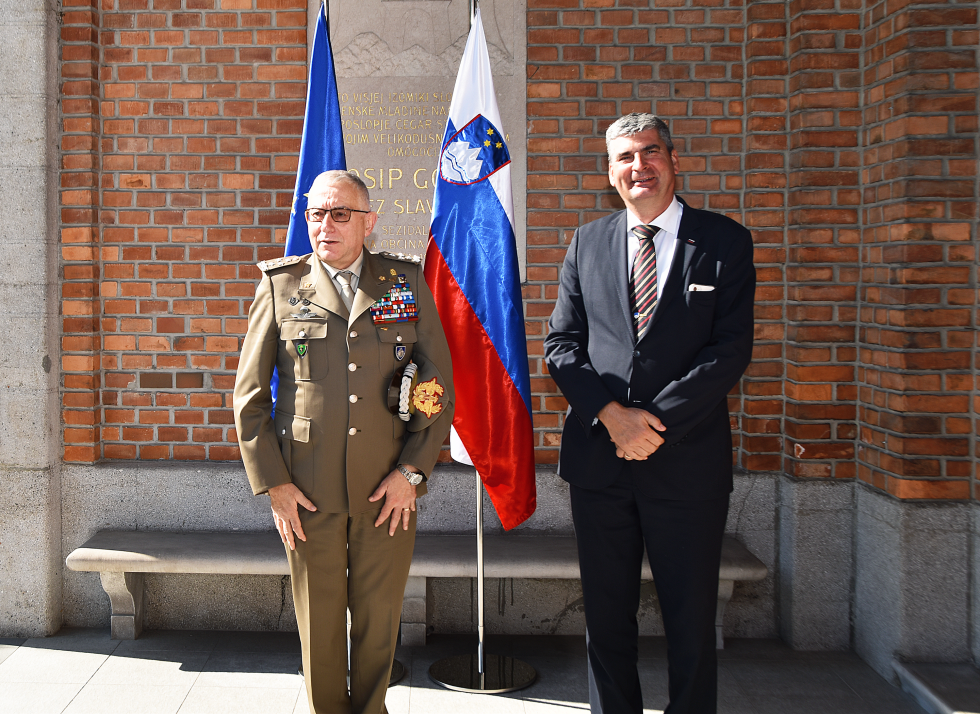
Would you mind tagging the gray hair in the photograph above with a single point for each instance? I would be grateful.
(635, 123)
(333, 178)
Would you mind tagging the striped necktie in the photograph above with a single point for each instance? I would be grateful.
(643, 279)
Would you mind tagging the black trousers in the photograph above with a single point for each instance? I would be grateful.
(683, 542)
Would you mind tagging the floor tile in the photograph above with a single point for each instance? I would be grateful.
(49, 666)
(76, 640)
(33, 698)
(251, 669)
(152, 667)
(257, 642)
(128, 699)
(7, 649)
(183, 640)
(956, 684)
(240, 700)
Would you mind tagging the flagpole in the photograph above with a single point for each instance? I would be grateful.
(466, 673)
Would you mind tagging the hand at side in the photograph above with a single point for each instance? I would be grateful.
(286, 499)
(399, 500)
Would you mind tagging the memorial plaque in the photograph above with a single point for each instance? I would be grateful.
(396, 63)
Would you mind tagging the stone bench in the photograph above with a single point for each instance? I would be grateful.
(122, 557)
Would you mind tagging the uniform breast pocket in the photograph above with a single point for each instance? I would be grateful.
(306, 344)
(396, 343)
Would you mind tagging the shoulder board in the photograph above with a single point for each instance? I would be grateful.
(404, 257)
(266, 265)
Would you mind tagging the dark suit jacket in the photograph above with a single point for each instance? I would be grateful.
(695, 350)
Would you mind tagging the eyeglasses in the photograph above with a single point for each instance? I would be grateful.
(341, 214)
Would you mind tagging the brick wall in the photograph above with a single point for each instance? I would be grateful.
(188, 159)
(918, 316)
(842, 132)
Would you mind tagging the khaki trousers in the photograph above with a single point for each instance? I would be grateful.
(348, 563)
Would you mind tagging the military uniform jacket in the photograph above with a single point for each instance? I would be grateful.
(333, 434)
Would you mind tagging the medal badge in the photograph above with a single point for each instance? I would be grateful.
(301, 349)
(400, 352)
(397, 305)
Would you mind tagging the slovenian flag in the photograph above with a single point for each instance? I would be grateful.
(471, 267)
(322, 148)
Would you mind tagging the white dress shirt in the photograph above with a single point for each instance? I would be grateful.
(664, 242)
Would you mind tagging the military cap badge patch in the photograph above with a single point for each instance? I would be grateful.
(426, 396)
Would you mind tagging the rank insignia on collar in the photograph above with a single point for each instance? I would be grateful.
(301, 349)
(425, 397)
(396, 305)
(400, 352)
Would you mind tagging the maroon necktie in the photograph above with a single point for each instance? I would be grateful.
(643, 279)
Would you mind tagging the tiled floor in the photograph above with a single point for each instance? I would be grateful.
(83, 671)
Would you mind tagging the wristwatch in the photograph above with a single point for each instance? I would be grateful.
(414, 477)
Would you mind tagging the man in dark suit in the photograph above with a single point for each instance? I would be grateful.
(651, 330)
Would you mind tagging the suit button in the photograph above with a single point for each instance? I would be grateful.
(353, 333)
(352, 366)
(636, 353)
(352, 431)
(353, 398)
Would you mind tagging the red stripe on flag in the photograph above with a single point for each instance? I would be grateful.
(491, 418)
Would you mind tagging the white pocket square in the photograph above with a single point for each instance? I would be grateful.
(694, 288)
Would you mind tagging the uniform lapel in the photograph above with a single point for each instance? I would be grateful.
(371, 285)
(317, 287)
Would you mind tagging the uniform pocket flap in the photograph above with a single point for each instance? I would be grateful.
(398, 334)
(303, 329)
(290, 426)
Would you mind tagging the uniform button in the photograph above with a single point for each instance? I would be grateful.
(352, 431)
(398, 339)
(283, 432)
(636, 353)
(302, 334)
(352, 366)
(353, 333)
(353, 398)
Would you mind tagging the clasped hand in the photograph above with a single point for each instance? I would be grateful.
(634, 431)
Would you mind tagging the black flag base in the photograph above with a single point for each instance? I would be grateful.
(500, 674)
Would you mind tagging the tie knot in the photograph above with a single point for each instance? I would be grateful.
(645, 232)
(344, 276)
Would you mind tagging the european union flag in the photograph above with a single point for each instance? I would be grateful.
(322, 148)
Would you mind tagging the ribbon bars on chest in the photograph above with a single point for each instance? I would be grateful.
(397, 305)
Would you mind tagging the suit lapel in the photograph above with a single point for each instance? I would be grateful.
(371, 285)
(317, 287)
(685, 248)
(620, 270)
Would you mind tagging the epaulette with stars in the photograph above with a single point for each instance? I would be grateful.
(404, 257)
(266, 265)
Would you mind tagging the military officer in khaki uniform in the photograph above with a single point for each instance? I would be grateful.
(352, 442)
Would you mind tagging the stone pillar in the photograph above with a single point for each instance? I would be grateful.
(30, 501)
(815, 563)
(912, 581)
